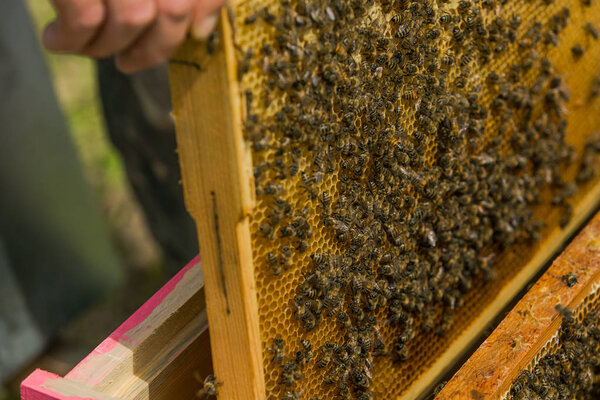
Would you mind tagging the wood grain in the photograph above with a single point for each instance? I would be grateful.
(489, 373)
(42, 385)
(217, 183)
(152, 355)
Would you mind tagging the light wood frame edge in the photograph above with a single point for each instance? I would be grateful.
(148, 356)
(218, 187)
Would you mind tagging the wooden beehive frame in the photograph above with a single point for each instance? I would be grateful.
(151, 355)
(216, 172)
(532, 323)
(218, 185)
(154, 353)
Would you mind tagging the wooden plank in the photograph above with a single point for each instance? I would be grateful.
(182, 378)
(42, 385)
(489, 373)
(217, 181)
(151, 355)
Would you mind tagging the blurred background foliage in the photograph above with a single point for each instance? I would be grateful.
(75, 84)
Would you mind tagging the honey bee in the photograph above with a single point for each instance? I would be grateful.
(428, 319)
(448, 59)
(274, 263)
(326, 355)
(570, 279)
(307, 317)
(365, 396)
(595, 88)
(210, 387)
(343, 391)
(400, 351)
(286, 257)
(396, 217)
(566, 215)
(278, 350)
(290, 373)
(302, 246)
(326, 200)
(266, 230)
(292, 396)
(591, 30)
(343, 319)
(273, 189)
(307, 347)
(444, 327)
(213, 42)
(446, 19)
(577, 51)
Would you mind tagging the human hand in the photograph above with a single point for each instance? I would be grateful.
(140, 33)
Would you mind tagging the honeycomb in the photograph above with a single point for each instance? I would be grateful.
(588, 308)
(276, 293)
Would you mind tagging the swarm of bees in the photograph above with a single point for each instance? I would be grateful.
(357, 93)
(570, 372)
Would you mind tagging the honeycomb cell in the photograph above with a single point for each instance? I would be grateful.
(276, 293)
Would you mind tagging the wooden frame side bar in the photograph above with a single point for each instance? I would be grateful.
(217, 182)
(489, 373)
(161, 344)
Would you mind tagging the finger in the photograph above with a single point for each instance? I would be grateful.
(126, 20)
(76, 24)
(206, 16)
(161, 40)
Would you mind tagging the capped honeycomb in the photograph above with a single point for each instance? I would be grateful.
(410, 158)
(568, 365)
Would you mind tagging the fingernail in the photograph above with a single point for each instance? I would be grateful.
(204, 28)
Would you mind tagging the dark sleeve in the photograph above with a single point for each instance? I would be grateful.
(137, 110)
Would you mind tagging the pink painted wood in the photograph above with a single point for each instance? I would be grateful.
(42, 385)
(137, 353)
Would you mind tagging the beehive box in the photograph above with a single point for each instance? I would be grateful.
(530, 332)
(315, 137)
(156, 354)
